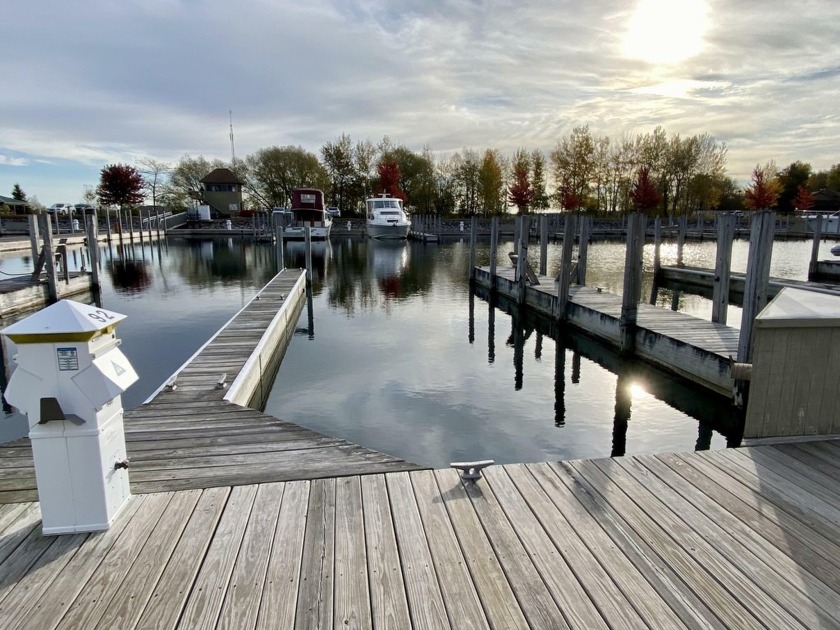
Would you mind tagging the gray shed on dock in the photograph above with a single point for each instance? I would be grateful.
(796, 367)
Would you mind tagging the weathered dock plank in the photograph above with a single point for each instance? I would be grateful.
(697, 540)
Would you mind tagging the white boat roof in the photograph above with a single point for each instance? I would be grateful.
(800, 308)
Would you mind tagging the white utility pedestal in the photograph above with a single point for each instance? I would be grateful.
(68, 381)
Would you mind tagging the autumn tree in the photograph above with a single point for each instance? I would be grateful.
(466, 168)
(644, 195)
(573, 162)
(791, 179)
(567, 197)
(804, 200)
(120, 185)
(541, 200)
(17, 193)
(389, 178)
(274, 171)
(491, 183)
(764, 190)
(520, 192)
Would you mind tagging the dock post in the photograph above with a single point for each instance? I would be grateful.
(815, 248)
(108, 223)
(149, 226)
(522, 258)
(93, 247)
(34, 236)
(657, 257)
(278, 239)
(583, 248)
(308, 242)
(723, 261)
(142, 239)
(681, 231)
(632, 282)
(755, 289)
(494, 246)
(564, 278)
(516, 232)
(543, 244)
(49, 259)
(473, 236)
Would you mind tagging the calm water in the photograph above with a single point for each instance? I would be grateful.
(393, 359)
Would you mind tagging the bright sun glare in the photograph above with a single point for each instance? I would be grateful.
(665, 31)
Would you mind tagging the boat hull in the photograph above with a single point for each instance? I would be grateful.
(389, 231)
(298, 233)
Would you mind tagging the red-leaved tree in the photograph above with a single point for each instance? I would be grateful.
(804, 200)
(520, 192)
(644, 195)
(569, 199)
(389, 179)
(763, 192)
(120, 185)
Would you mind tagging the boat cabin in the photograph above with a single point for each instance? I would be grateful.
(384, 207)
(308, 206)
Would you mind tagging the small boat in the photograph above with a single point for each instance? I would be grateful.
(307, 211)
(386, 218)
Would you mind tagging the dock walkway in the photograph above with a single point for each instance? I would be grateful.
(741, 538)
(688, 346)
(199, 435)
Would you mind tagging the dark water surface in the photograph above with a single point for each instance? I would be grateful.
(401, 358)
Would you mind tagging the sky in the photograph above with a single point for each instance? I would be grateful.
(86, 84)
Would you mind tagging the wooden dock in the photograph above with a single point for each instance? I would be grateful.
(21, 294)
(701, 281)
(741, 538)
(201, 435)
(688, 346)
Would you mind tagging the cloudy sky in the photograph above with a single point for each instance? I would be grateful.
(93, 82)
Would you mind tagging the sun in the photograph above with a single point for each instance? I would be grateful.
(665, 31)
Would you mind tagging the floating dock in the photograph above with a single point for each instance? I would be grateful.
(687, 346)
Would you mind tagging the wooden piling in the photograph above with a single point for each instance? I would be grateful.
(93, 248)
(757, 278)
(522, 258)
(473, 237)
(657, 258)
(632, 282)
(149, 226)
(278, 240)
(131, 225)
(494, 245)
(583, 248)
(49, 259)
(108, 223)
(681, 231)
(723, 260)
(815, 249)
(516, 232)
(564, 277)
(34, 234)
(543, 244)
(308, 244)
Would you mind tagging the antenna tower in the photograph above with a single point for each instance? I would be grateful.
(232, 152)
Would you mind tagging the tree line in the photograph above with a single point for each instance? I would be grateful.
(660, 173)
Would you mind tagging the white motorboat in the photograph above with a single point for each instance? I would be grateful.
(386, 218)
(307, 211)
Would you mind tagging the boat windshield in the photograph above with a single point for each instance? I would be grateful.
(389, 213)
(386, 203)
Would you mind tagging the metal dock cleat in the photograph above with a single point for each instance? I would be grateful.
(471, 471)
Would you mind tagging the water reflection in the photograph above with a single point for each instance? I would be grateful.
(635, 381)
(129, 276)
(372, 274)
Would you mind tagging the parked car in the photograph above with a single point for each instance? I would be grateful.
(334, 212)
(60, 208)
(82, 207)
